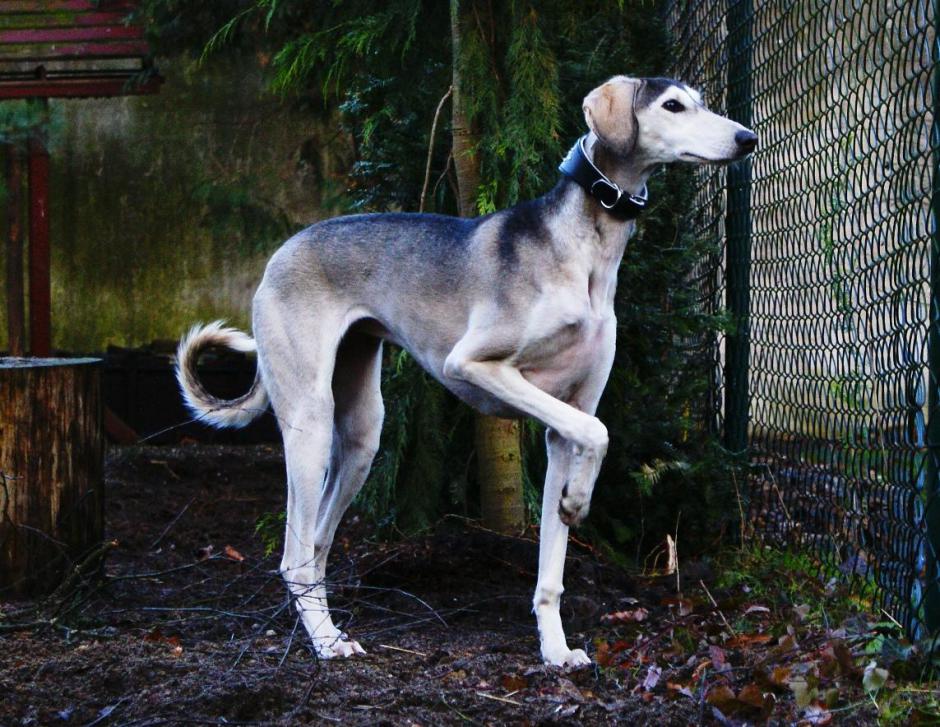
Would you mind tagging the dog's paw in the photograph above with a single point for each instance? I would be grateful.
(345, 649)
(338, 649)
(572, 509)
(571, 658)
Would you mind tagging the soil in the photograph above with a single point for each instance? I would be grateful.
(191, 624)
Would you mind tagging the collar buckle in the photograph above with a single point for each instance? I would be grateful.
(608, 191)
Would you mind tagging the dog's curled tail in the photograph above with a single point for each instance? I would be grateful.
(204, 406)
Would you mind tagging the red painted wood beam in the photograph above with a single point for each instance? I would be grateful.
(58, 6)
(79, 87)
(40, 289)
(70, 35)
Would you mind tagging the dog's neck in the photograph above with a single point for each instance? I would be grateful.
(629, 173)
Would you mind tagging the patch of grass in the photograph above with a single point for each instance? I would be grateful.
(791, 580)
(911, 705)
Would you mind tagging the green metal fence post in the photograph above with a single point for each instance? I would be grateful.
(932, 486)
(738, 231)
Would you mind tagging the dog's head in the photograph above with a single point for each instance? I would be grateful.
(662, 121)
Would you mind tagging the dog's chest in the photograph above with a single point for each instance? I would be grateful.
(560, 362)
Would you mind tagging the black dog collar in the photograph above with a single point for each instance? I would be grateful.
(578, 167)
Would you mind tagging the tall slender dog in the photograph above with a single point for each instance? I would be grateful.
(513, 312)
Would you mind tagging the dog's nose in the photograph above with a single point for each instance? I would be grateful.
(745, 139)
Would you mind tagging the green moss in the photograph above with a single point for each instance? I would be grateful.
(164, 209)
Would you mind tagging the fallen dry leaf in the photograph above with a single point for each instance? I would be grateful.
(801, 612)
(719, 659)
(205, 553)
(652, 677)
(802, 692)
(748, 640)
(817, 715)
(752, 695)
(781, 676)
(703, 665)
(756, 609)
(844, 655)
(786, 643)
(720, 696)
(233, 554)
(684, 605)
(680, 689)
(874, 677)
(514, 682)
(602, 654)
(630, 616)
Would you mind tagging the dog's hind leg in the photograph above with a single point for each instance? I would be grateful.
(358, 417)
(298, 373)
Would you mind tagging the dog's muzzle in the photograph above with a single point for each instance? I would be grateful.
(746, 141)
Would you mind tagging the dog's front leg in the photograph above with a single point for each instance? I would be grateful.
(576, 441)
(564, 459)
(553, 543)
(585, 433)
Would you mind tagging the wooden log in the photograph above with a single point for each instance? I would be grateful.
(51, 469)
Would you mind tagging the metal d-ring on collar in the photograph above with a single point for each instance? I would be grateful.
(578, 166)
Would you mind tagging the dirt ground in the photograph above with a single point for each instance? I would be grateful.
(192, 625)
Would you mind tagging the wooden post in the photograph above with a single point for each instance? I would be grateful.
(15, 288)
(40, 295)
(51, 469)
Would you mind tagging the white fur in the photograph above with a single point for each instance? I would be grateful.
(209, 410)
(534, 336)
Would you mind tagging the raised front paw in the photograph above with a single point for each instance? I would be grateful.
(573, 658)
(572, 509)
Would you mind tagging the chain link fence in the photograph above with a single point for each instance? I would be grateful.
(830, 271)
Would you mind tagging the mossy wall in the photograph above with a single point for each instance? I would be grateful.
(165, 208)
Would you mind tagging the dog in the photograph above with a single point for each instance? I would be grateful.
(512, 312)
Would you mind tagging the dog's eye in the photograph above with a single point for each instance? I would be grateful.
(674, 106)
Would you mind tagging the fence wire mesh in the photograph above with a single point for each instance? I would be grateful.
(829, 270)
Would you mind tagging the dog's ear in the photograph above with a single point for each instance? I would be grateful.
(609, 113)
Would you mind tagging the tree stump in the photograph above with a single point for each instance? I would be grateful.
(51, 470)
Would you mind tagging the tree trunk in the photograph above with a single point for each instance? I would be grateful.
(499, 469)
(466, 136)
(499, 459)
(51, 469)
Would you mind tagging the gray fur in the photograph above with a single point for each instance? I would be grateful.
(512, 312)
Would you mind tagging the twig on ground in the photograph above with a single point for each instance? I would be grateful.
(675, 549)
(290, 642)
(153, 546)
(399, 648)
(405, 593)
(715, 604)
(500, 699)
(456, 711)
(737, 494)
(893, 620)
